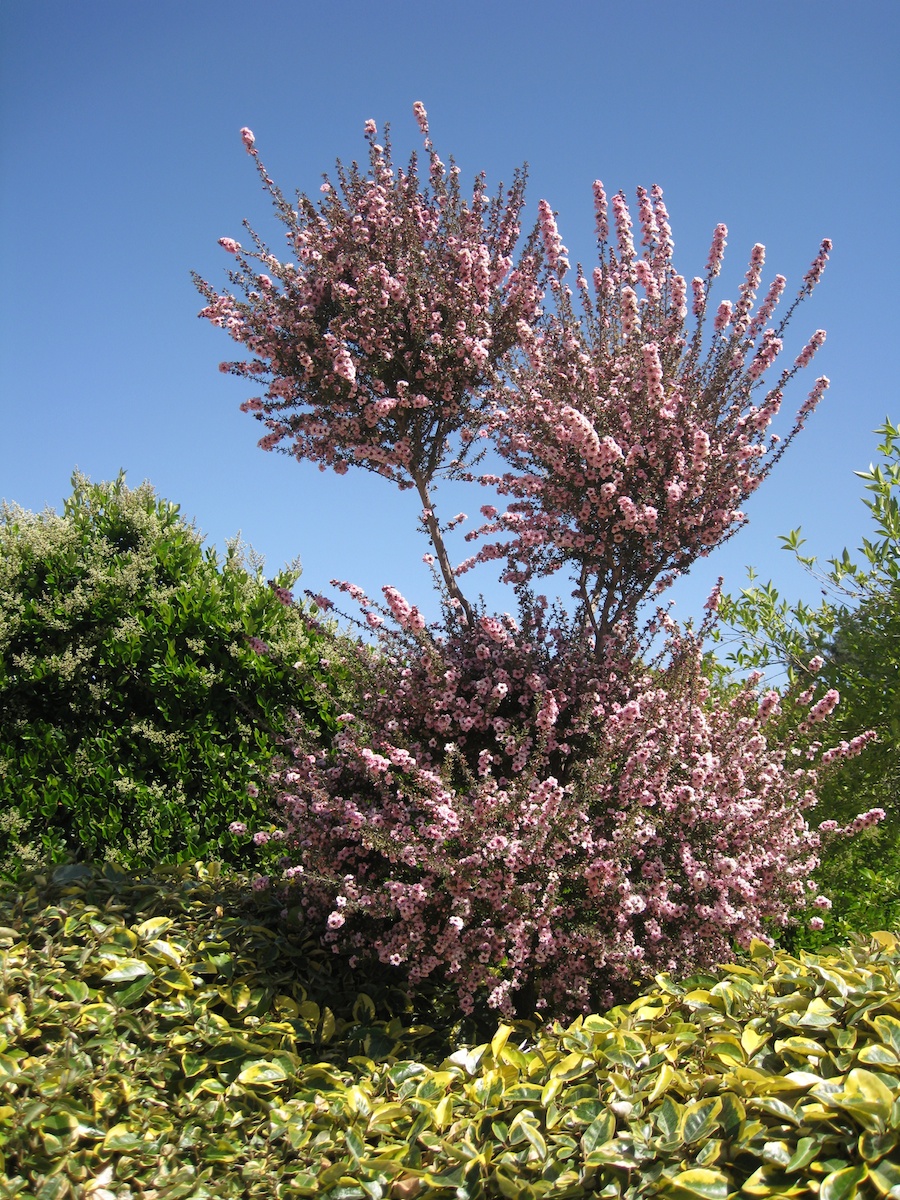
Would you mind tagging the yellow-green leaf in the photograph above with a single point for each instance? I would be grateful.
(598, 1132)
(819, 1015)
(801, 1045)
(866, 1098)
(842, 1185)
(877, 1055)
(874, 1146)
(262, 1073)
(807, 1151)
(120, 1137)
(443, 1111)
(887, 941)
(328, 1025)
(699, 1183)
(128, 968)
(154, 927)
(500, 1038)
(770, 1181)
(363, 1008)
(886, 1177)
(532, 1135)
(573, 1066)
(751, 1040)
(664, 1077)
(177, 979)
(355, 1144)
(888, 1030)
(698, 1120)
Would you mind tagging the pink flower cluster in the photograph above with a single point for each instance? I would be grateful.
(397, 307)
(521, 805)
(512, 815)
(632, 445)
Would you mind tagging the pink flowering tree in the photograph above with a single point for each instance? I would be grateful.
(526, 806)
(379, 343)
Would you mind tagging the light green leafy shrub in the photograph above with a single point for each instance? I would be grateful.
(160, 1035)
(133, 712)
(856, 629)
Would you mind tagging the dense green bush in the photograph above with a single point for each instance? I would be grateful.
(134, 712)
(856, 630)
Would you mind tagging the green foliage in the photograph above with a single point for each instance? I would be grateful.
(133, 712)
(856, 629)
(161, 1034)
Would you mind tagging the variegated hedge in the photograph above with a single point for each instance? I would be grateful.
(159, 1038)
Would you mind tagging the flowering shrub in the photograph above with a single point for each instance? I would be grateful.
(522, 804)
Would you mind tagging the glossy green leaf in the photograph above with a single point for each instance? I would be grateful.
(130, 995)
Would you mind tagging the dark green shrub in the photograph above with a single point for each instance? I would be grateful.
(133, 711)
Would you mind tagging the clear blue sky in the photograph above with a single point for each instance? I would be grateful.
(122, 166)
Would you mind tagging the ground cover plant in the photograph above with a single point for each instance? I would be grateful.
(134, 714)
(528, 806)
(161, 1038)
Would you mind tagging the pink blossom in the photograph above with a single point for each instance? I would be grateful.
(600, 211)
(723, 316)
(421, 117)
(814, 274)
(805, 356)
(825, 706)
(717, 250)
(553, 247)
